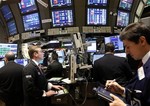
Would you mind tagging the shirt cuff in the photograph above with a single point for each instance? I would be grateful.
(44, 94)
(49, 86)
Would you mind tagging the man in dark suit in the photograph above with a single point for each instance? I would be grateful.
(111, 67)
(11, 91)
(55, 68)
(136, 39)
(36, 87)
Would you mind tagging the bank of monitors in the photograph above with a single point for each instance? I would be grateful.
(12, 27)
(62, 18)
(126, 4)
(5, 47)
(96, 16)
(23, 62)
(31, 22)
(123, 18)
(116, 41)
(2, 63)
(91, 45)
(97, 2)
(6, 12)
(27, 6)
(60, 3)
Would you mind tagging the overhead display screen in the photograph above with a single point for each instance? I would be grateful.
(6, 12)
(4, 48)
(126, 4)
(60, 3)
(31, 22)
(61, 18)
(12, 27)
(97, 2)
(122, 18)
(27, 6)
(96, 16)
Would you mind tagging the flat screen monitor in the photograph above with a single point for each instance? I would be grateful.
(120, 54)
(67, 44)
(60, 53)
(122, 18)
(91, 45)
(2, 63)
(96, 56)
(31, 22)
(27, 6)
(6, 12)
(125, 4)
(60, 3)
(5, 47)
(116, 41)
(96, 16)
(12, 27)
(97, 2)
(62, 18)
(23, 62)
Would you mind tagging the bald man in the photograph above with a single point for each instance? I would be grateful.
(11, 92)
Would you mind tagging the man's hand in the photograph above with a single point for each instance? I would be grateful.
(57, 87)
(117, 101)
(50, 93)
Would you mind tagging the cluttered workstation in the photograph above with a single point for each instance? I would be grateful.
(62, 47)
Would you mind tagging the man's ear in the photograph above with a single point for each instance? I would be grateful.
(142, 40)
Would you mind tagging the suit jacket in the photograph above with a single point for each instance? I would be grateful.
(143, 86)
(55, 69)
(34, 82)
(111, 67)
(11, 91)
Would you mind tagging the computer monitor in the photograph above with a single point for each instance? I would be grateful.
(97, 56)
(12, 27)
(91, 45)
(60, 3)
(122, 18)
(120, 54)
(97, 2)
(2, 63)
(6, 12)
(67, 44)
(27, 6)
(116, 41)
(31, 22)
(6, 47)
(23, 62)
(96, 16)
(62, 18)
(125, 4)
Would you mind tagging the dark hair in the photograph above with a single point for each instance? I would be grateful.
(109, 47)
(33, 49)
(10, 56)
(133, 32)
(54, 56)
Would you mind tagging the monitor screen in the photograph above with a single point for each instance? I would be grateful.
(12, 27)
(61, 18)
(60, 3)
(23, 62)
(125, 4)
(6, 12)
(31, 22)
(96, 16)
(97, 2)
(97, 56)
(67, 44)
(4, 48)
(60, 53)
(122, 19)
(27, 6)
(91, 45)
(116, 41)
(2, 63)
(120, 54)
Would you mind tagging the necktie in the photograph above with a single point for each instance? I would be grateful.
(40, 68)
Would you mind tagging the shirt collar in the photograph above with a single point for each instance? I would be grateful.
(35, 62)
(145, 58)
